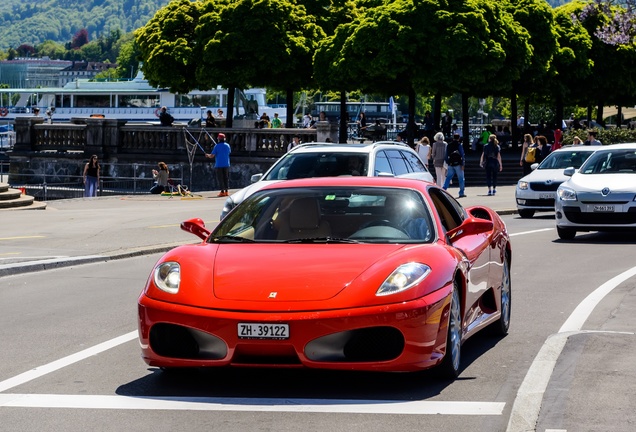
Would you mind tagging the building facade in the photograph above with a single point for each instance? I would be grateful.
(32, 72)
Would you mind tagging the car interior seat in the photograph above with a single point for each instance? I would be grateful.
(302, 219)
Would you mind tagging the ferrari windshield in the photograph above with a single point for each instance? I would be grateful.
(611, 161)
(318, 164)
(562, 159)
(328, 215)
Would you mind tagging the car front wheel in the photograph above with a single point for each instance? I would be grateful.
(502, 325)
(526, 213)
(566, 233)
(452, 358)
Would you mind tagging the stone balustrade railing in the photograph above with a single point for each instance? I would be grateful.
(109, 138)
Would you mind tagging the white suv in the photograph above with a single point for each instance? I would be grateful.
(384, 158)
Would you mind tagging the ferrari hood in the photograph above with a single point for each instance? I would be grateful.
(290, 272)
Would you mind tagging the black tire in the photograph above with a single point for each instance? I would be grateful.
(502, 325)
(566, 233)
(449, 368)
(526, 213)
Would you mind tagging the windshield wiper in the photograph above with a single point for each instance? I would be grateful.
(321, 240)
(231, 239)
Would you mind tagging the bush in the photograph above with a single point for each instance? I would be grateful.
(606, 136)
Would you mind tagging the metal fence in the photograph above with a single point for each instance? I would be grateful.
(47, 187)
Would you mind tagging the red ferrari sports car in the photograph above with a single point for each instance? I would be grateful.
(375, 274)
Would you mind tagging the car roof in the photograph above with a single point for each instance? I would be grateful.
(354, 148)
(570, 148)
(350, 181)
(622, 146)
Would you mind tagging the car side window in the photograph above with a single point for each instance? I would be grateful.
(414, 162)
(381, 164)
(451, 214)
(398, 163)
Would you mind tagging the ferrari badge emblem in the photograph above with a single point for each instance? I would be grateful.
(273, 294)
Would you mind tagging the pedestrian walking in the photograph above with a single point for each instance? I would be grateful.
(438, 154)
(91, 177)
(455, 160)
(526, 161)
(491, 161)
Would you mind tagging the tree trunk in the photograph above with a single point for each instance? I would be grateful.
(410, 127)
(599, 114)
(619, 116)
(514, 130)
(437, 111)
(344, 126)
(289, 122)
(558, 120)
(465, 120)
(589, 115)
(229, 115)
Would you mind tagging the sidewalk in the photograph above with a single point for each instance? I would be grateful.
(84, 230)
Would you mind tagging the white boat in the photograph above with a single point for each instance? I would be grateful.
(133, 100)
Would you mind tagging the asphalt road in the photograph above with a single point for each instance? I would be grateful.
(70, 360)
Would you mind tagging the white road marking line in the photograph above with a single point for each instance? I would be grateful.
(251, 404)
(220, 404)
(22, 237)
(527, 404)
(530, 232)
(63, 362)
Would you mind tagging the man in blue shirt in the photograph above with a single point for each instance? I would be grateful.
(221, 155)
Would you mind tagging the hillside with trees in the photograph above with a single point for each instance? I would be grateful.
(33, 23)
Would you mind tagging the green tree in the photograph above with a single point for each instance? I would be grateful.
(425, 47)
(245, 41)
(536, 17)
(167, 44)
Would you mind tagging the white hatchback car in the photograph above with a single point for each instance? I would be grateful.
(601, 196)
(536, 192)
(383, 158)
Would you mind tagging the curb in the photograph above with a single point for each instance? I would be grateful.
(29, 267)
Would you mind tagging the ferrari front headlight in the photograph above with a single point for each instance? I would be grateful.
(168, 277)
(404, 277)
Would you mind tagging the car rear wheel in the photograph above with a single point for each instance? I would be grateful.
(502, 325)
(452, 358)
(566, 233)
(526, 213)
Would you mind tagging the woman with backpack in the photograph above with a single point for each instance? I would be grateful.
(491, 160)
(523, 162)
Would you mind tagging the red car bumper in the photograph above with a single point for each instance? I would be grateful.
(406, 336)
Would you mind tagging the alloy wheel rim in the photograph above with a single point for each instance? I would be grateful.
(505, 295)
(455, 330)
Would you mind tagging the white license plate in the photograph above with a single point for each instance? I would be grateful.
(263, 331)
(547, 195)
(603, 208)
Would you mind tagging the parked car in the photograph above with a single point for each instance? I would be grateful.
(601, 195)
(536, 192)
(384, 159)
(351, 273)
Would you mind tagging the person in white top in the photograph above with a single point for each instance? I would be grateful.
(294, 142)
(423, 149)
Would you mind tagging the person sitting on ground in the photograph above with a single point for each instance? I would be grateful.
(161, 179)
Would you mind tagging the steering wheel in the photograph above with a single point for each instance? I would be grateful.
(382, 222)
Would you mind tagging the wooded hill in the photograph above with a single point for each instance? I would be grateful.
(33, 22)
